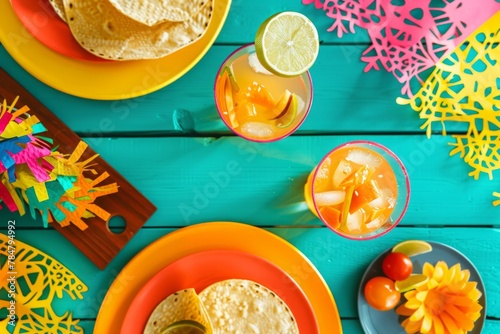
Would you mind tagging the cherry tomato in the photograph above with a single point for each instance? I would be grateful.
(381, 294)
(397, 266)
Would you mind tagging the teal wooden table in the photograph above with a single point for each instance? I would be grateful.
(168, 144)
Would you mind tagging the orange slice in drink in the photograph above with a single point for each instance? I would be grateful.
(226, 90)
(287, 116)
(345, 208)
(282, 112)
(331, 215)
(259, 94)
(364, 194)
(280, 107)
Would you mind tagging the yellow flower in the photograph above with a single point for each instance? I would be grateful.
(446, 304)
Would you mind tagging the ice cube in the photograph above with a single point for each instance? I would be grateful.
(355, 220)
(377, 222)
(363, 157)
(343, 170)
(324, 169)
(332, 197)
(301, 105)
(257, 130)
(379, 203)
(386, 201)
(255, 64)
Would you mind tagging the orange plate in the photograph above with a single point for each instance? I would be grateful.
(202, 269)
(40, 19)
(217, 236)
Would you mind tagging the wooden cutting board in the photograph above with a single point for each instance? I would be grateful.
(97, 242)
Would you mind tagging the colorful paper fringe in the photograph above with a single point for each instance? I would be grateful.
(408, 37)
(29, 286)
(465, 87)
(35, 175)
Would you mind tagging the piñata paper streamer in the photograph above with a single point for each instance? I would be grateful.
(36, 178)
(408, 37)
(39, 281)
(465, 87)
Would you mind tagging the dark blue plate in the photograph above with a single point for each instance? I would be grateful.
(378, 322)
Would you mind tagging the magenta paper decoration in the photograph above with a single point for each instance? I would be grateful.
(408, 37)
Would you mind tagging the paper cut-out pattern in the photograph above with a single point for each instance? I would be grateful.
(465, 87)
(34, 175)
(408, 37)
(39, 281)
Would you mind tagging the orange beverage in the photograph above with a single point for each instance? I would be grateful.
(360, 190)
(256, 104)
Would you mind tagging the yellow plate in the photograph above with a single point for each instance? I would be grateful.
(212, 236)
(107, 80)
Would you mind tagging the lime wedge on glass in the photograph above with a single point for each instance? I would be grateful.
(185, 327)
(287, 44)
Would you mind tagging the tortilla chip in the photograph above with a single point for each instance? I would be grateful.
(179, 306)
(243, 306)
(58, 6)
(107, 33)
(151, 12)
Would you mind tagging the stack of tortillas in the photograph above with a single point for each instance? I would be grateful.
(229, 306)
(127, 30)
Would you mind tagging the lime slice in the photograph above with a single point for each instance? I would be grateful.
(412, 282)
(412, 247)
(287, 44)
(182, 312)
(185, 327)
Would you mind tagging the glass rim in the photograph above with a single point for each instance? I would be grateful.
(307, 76)
(361, 237)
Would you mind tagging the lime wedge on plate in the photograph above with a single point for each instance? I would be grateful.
(182, 312)
(185, 327)
(287, 44)
(412, 247)
(412, 282)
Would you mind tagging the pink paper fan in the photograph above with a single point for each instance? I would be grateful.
(408, 37)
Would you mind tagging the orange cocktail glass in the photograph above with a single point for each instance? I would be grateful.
(360, 190)
(256, 104)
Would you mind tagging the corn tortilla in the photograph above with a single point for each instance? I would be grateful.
(58, 6)
(151, 12)
(244, 306)
(107, 33)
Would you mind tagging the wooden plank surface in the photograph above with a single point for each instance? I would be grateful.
(329, 253)
(348, 325)
(172, 147)
(346, 100)
(188, 179)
